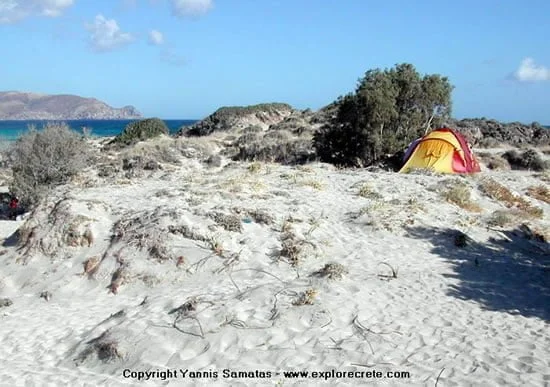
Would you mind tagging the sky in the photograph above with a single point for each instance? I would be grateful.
(186, 58)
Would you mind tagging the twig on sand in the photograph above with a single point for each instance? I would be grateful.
(234, 283)
(370, 365)
(393, 271)
(200, 263)
(260, 271)
(328, 323)
(362, 329)
(440, 372)
(201, 335)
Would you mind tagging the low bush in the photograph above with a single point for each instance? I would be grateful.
(529, 159)
(41, 160)
(294, 151)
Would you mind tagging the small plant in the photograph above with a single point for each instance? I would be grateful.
(306, 298)
(291, 248)
(255, 167)
(500, 219)
(331, 271)
(305, 169)
(460, 195)
(315, 184)
(228, 222)
(367, 192)
(293, 177)
(216, 246)
(259, 216)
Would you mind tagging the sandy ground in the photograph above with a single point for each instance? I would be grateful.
(205, 269)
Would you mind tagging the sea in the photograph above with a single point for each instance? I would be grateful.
(12, 130)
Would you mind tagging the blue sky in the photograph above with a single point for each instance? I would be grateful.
(186, 58)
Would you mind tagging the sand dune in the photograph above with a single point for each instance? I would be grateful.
(205, 269)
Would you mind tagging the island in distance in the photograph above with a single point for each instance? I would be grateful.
(33, 106)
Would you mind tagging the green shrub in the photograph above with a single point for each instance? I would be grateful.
(41, 160)
(387, 111)
(141, 130)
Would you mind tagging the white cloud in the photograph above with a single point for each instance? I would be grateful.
(529, 71)
(191, 7)
(156, 38)
(105, 34)
(12, 11)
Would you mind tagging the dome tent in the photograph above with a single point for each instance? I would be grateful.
(442, 150)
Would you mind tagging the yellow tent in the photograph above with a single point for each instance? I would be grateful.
(442, 150)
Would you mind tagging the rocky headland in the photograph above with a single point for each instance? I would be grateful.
(32, 106)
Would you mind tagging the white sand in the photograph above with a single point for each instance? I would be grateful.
(483, 324)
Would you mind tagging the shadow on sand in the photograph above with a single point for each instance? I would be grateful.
(510, 273)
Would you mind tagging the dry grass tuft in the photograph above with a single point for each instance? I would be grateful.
(306, 298)
(228, 222)
(501, 218)
(460, 195)
(91, 265)
(259, 216)
(331, 271)
(315, 184)
(120, 276)
(366, 191)
(539, 192)
(255, 167)
(502, 194)
(291, 248)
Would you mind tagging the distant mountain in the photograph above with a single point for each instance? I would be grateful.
(32, 106)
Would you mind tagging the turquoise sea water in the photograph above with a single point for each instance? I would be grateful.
(11, 130)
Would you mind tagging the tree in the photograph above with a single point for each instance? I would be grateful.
(387, 111)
